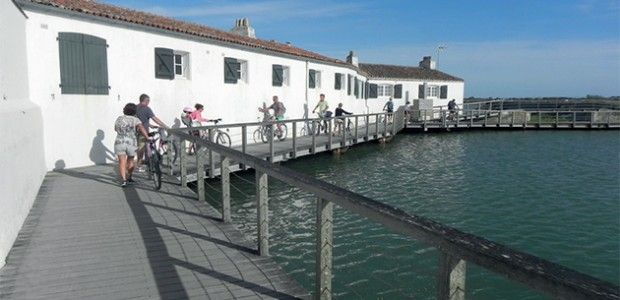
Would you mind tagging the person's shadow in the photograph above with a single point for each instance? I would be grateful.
(99, 153)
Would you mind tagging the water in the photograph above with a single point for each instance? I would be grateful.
(554, 194)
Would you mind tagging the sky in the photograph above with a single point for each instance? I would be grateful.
(502, 48)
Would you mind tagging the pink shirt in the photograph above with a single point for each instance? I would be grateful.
(197, 116)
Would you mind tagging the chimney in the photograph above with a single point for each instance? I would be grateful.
(352, 59)
(242, 27)
(427, 63)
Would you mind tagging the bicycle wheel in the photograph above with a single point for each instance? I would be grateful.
(155, 170)
(303, 132)
(282, 132)
(223, 139)
(257, 135)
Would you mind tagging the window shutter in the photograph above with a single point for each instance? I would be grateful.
(164, 63)
(349, 77)
(232, 70)
(421, 91)
(338, 81)
(311, 79)
(443, 92)
(398, 91)
(277, 78)
(71, 51)
(95, 66)
(372, 91)
(356, 91)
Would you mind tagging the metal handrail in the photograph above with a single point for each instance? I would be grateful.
(537, 273)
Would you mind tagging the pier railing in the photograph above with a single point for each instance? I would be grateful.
(464, 118)
(455, 247)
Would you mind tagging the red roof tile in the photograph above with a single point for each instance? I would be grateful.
(405, 72)
(142, 18)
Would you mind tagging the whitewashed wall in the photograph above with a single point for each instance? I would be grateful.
(22, 162)
(455, 91)
(71, 122)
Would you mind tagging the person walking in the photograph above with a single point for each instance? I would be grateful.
(340, 112)
(127, 128)
(145, 114)
(389, 108)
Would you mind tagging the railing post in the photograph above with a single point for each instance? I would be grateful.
(367, 129)
(499, 118)
(458, 117)
(591, 119)
(385, 123)
(324, 229)
(356, 124)
(314, 130)
(394, 124)
(244, 142)
(200, 171)
(443, 119)
(183, 163)
(329, 133)
(271, 136)
(557, 118)
(512, 119)
(471, 118)
(225, 177)
(539, 118)
(211, 163)
(451, 278)
(574, 118)
(376, 126)
(343, 132)
(262, 207)
(294, 155)
(485, 118)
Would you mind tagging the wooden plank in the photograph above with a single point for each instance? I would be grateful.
(225, 179)
(262, 209)
(451, 278)
(324, 246)
(294, 152)
(183, 163)
(200, 172)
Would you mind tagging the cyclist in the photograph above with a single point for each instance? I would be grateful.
(339, 116)
(278, 111)
(322, 106)
(389, 107)
(452, 107)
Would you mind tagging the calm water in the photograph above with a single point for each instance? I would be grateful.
(554, 194)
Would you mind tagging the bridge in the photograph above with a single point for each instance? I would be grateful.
(88, 238)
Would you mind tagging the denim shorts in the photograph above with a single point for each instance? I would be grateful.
(125, 149)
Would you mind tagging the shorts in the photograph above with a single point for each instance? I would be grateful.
(141, 143)
(125, 149)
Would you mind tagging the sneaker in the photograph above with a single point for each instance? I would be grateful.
(130, 180)
(124, 184)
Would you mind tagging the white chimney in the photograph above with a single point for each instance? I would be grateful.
(242, 27)
(427, 63)
(352, 59)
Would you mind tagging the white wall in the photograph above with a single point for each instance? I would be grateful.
(75, 120)
(455, 91)
(22, 163)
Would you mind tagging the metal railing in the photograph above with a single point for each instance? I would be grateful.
(514, 118)
(455, 247)
(543, 105)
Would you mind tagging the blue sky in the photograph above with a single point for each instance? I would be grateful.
(501, 48)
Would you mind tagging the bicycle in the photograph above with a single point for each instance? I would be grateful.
(153, 160)
(166, 146)
(263, 132)
(221, 137)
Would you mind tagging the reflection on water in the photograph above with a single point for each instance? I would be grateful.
(553, 194)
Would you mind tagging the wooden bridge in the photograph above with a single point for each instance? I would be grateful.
(86, 237)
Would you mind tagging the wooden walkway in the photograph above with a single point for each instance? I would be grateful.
(87, 238)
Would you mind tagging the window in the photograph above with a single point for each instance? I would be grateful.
(171, 64)
(235, 70)
(181, 64)
(385, 90)
(372, 90)
(83, 64)
(280, 75)
(432, 91)
(338, 79)
(314, 79)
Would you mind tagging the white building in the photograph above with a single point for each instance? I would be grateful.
(67, 69)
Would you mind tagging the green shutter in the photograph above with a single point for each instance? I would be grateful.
(311, 78)
(356, 90)
(349, 77)
(443, 92)
(164, 63)
(95, 66)
(276, 75)
(71, 54)
(338, 81)
(398, 91)
(372, 91)
(421, 91)
(232, 70)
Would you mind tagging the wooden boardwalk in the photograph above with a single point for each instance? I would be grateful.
(87, 238)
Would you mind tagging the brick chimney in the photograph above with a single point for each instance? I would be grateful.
(242, 27)
(352, 59)
(427, 63)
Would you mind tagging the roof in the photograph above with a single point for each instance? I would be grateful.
(115, 13)
(405, 72)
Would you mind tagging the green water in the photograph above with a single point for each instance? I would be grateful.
(554, 194)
